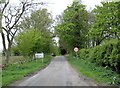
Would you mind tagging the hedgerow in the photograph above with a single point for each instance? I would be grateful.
(107, 54)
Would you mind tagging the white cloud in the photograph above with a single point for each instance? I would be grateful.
(57, 7)
(91, 3)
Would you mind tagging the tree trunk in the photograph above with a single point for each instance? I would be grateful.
(7, 51)
(7, 55)
(3, 40)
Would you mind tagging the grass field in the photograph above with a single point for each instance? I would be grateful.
(101, 75)
(17, 71)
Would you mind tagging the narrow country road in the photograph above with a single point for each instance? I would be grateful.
(58, 73)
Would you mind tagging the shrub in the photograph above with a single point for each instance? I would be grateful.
(83, 53)
(107, 54)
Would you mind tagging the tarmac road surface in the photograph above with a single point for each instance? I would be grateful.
(58, 73)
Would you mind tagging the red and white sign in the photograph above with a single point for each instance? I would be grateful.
(76, 49)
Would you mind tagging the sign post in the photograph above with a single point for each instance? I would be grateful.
(76, 50)
(39, 55)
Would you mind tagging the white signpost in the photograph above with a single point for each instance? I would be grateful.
(76, 50)
(39, 55)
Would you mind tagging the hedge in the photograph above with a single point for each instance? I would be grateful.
(107, 54)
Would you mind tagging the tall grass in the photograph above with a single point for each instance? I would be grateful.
(17, 71)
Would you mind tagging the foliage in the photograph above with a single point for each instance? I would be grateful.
(55, 49)
(97, 73)
(33, 41)
(106, 23)
(15, 51)
(73, 28)
(107, 55)
(39, 20)
(35, 35)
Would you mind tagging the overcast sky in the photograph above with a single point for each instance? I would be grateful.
(56, 7)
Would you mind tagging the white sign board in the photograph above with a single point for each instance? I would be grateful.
(76, 49)
(39, 55)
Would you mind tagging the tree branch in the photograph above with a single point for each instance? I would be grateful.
(17, 19)
(4, 29)
(104, 38)
(6, 4)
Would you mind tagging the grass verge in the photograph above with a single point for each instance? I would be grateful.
(14, 72)
(101, 75)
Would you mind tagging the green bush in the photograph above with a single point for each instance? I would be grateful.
(107, 54)
(83, 53)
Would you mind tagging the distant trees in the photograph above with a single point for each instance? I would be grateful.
(39, 19)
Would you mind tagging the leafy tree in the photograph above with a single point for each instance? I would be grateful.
(39, 19)
(33, 41)
(11, 15)
(36, 37)
(107, 22)
(74, 28)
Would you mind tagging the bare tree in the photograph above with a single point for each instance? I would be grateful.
(10, 18)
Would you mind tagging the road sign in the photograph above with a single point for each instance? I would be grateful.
(76, 49)
(39, 55)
